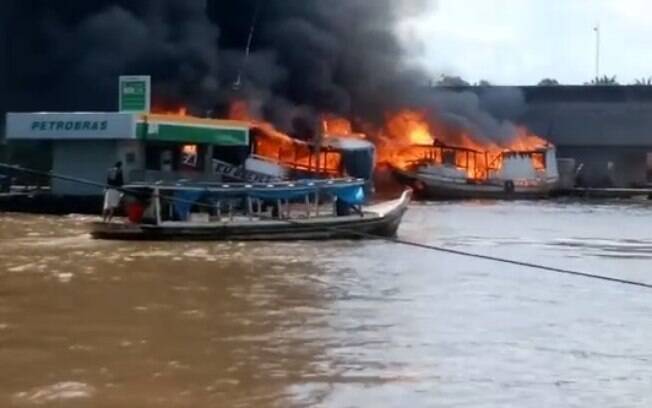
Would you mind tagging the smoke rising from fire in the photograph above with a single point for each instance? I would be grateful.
(67, 55)
(308, 57)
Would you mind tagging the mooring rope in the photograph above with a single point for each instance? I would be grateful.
(355, 232)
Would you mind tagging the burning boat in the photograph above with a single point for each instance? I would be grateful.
(261, 153)
(281, 157)
(464, 167)
(456, 172)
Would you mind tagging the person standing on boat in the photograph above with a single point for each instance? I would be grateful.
(112, 195)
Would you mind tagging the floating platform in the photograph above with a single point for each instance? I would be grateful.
(609, 192)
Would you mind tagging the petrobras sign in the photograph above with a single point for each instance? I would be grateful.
(71, 125)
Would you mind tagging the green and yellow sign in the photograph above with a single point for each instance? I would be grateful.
(135, 93)
(193, 133)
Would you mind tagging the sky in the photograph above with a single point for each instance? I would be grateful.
(519, 42)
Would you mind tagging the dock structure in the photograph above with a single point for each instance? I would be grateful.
(609, 192)
(86, 144)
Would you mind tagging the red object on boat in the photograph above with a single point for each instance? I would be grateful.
(135, 212)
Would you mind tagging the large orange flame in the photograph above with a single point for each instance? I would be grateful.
(275, 145)
(408, 138)
(338, 126)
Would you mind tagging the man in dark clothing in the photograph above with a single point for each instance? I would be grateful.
(112, 195)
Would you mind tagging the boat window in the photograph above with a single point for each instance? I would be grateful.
(448, 157)
(170, 157)
(539, 161)
(462, 159)
(160, 157)
(191, 157)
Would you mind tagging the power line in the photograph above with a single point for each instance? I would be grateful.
(358, 233)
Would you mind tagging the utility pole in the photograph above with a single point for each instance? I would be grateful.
(597, 50)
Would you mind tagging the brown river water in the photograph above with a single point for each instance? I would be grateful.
(334, 324)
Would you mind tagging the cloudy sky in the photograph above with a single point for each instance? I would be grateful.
(522, 41)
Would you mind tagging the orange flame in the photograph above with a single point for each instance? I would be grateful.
(526, 140)
(337, 126)
(408, 128)
(409, 139)
(239, 110)
(177, 111)
(275, 145)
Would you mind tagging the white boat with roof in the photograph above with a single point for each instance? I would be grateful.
(445, 172)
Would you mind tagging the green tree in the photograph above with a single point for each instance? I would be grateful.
(603, 80)
(453, 81)
(548, 82)
(643, 81)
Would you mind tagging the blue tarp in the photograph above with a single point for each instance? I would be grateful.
(359, 163)
(183, 201)
(353, 195)
(350, 193)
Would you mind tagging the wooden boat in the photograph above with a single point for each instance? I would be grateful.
(323, 209)
(511, 174)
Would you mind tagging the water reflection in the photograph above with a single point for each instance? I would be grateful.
(346, 323)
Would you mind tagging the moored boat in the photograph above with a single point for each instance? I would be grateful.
(445, 172)
(300, 210)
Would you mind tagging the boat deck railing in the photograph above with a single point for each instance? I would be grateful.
(217, 186)
(177, 200)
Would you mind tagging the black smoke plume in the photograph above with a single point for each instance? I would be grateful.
(306, 57)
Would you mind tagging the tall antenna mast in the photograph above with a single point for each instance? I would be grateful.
(597, 50)
(250, 38)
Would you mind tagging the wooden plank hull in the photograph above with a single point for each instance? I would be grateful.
(427, 188)
(347, 227)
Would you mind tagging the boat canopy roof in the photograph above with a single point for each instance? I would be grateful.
(505, 151)
(347, 144)
(348, 190)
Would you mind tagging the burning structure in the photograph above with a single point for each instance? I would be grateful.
(455, 164)
(295, 64)
(173, 146)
